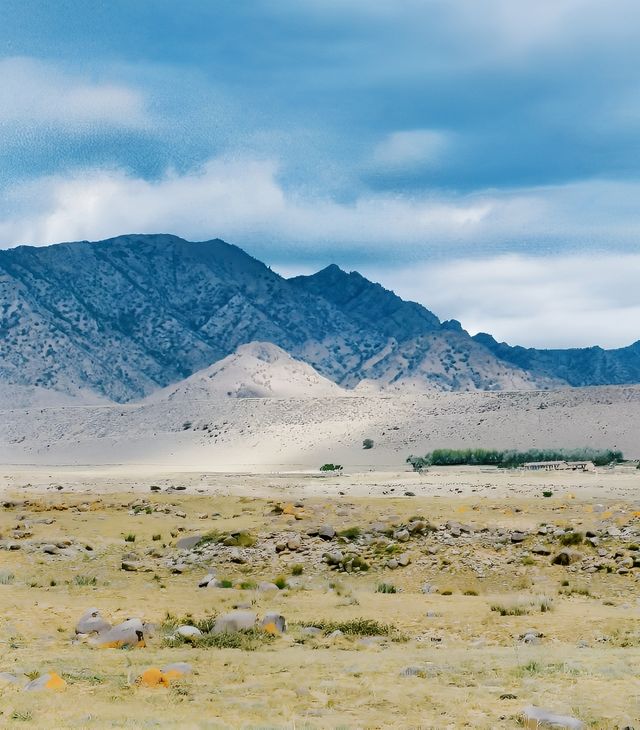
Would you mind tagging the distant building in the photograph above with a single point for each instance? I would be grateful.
(559, 466)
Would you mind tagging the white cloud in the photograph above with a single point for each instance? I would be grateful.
(243, 201)
(416, 148)
(555, 298)
(35, 93)
(547, 301)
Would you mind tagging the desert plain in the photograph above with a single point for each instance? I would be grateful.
(411, 600)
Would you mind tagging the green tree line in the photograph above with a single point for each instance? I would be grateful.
(510, 458)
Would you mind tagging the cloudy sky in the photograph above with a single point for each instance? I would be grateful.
(481, 157)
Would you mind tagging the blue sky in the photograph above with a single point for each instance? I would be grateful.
(480, 157)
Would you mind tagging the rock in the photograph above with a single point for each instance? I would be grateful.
(235, 621)
(50, 680)
(92, 622)
(566, 557)
(151, 677)
(50, 549)
(188, 543)
(392, 563)
(267, 587)
(428, 588)
(131, 566)
(540, 550)
(337, 634)
(311, 631)
(536, 717)
(404, 559)
(294, 543)
(8, 678)
(209, 578)
(335, 557)
(188, 632)
(175, 670)
(518, 536)
(129, 633)
(402, 535)
(531, 637)
(274, 623)
(326, 532)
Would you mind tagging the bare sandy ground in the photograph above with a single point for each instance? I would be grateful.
(622, 482)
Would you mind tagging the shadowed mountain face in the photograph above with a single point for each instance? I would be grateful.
(124, 317)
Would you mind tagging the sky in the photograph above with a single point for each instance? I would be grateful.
(482, 158)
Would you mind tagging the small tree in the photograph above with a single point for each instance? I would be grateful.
(367, 444)
(331, 467)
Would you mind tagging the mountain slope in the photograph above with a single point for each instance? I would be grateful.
(126, 316)
(577, 366)
(255, 370)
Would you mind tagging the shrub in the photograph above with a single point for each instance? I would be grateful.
(571, 538)
(85, 580)
(386, 588)
(156, 537)
(367, 444)
(351, 533)
(547, 493)
(130, 537)
(6, 578)
(281, 582)
(297, 569)
(361, 627)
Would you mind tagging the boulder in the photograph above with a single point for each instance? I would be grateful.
(50, 680)
(188, 543)
(326, 532)
(274, 623)
(188, 632)
(129, 633)
(235, 621)
(208, 578)
(518, 536)
(175, 670)
(566, 557)
(92, 622)
(537, 717)
(267, 587)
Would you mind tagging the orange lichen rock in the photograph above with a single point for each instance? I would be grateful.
(50, 680)
(152, 677)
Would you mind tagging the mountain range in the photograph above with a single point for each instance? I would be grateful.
(123, 318)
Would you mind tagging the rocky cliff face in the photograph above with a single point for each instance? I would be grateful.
(124, 317)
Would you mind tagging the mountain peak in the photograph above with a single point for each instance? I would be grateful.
(369, 303)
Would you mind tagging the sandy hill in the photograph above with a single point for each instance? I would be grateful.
(255, 370)
(264, 434)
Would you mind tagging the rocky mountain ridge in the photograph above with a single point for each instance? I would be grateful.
(125, 317)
